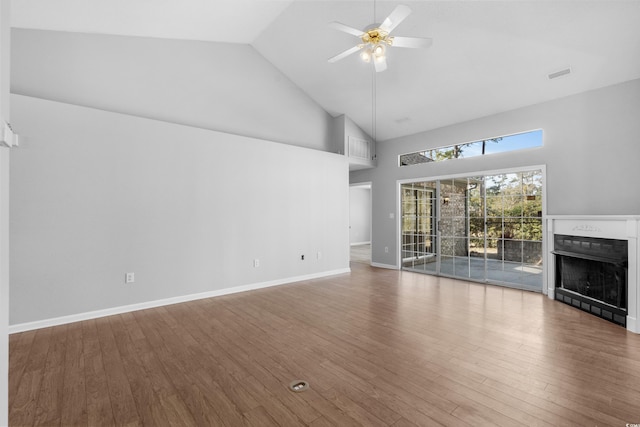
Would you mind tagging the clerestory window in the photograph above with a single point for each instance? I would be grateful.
(500, 144)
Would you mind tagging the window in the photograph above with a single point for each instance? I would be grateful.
(486, 228)
(498, 144)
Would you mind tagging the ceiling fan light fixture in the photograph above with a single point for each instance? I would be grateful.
(365, 55)
(378, 51)
(376, 38)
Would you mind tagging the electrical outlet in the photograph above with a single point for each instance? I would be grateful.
(256, 262)
(319, 255)
(129, 278)
(386, 249)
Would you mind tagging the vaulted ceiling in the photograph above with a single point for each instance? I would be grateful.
(487, 56)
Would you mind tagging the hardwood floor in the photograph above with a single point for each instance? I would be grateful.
(361, 253)
(378, 348)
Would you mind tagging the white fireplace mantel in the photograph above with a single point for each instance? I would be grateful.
(621, 227)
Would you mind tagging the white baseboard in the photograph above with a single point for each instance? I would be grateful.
(29, 326)
(360, 243)
(632, 325)
(387, 266)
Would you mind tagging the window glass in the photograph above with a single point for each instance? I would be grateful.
(495, 145)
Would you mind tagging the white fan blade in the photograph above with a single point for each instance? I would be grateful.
(380, 64)
(411, 42)
(346, 29)
(346, 53)
(395, 18)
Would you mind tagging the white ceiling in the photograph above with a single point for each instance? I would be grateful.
(232, 21)
(487, 56)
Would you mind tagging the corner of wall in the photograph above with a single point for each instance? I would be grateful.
(4, 214)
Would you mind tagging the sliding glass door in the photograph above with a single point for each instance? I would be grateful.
(514, 228)
(481, 228)
(418, 226)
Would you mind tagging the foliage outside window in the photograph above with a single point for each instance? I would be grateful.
(513, 208)
(472, 149)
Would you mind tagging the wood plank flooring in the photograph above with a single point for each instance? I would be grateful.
(378, 347)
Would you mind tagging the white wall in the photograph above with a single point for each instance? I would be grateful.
(591, 151)
(218, 86)
(343, 128)
(352, 129)
(359, 215)
(96, 194)
(4, 216)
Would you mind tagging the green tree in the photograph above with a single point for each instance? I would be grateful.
(457, 151)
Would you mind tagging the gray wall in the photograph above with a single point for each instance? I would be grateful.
(4, 215)
(218, 86)
(96, 194)
(591, 150)
(359, 215)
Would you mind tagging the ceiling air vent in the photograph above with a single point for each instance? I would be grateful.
(560, 73)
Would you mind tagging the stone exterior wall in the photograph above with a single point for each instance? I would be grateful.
(518, 250)
(453, 209)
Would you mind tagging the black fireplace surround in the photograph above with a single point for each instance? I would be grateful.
(591, 274)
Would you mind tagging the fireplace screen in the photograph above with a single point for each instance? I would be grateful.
(601, 281)
(591, 274)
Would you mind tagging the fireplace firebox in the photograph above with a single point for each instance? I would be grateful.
(616, 235)
(591, 274)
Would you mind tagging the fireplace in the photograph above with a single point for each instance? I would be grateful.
(591, 274)
(593, 264)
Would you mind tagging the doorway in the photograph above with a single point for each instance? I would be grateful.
(485, 228)
(360, 223)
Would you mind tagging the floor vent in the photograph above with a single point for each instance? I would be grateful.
(298, 386)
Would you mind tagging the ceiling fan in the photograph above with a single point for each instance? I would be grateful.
(376, 39)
